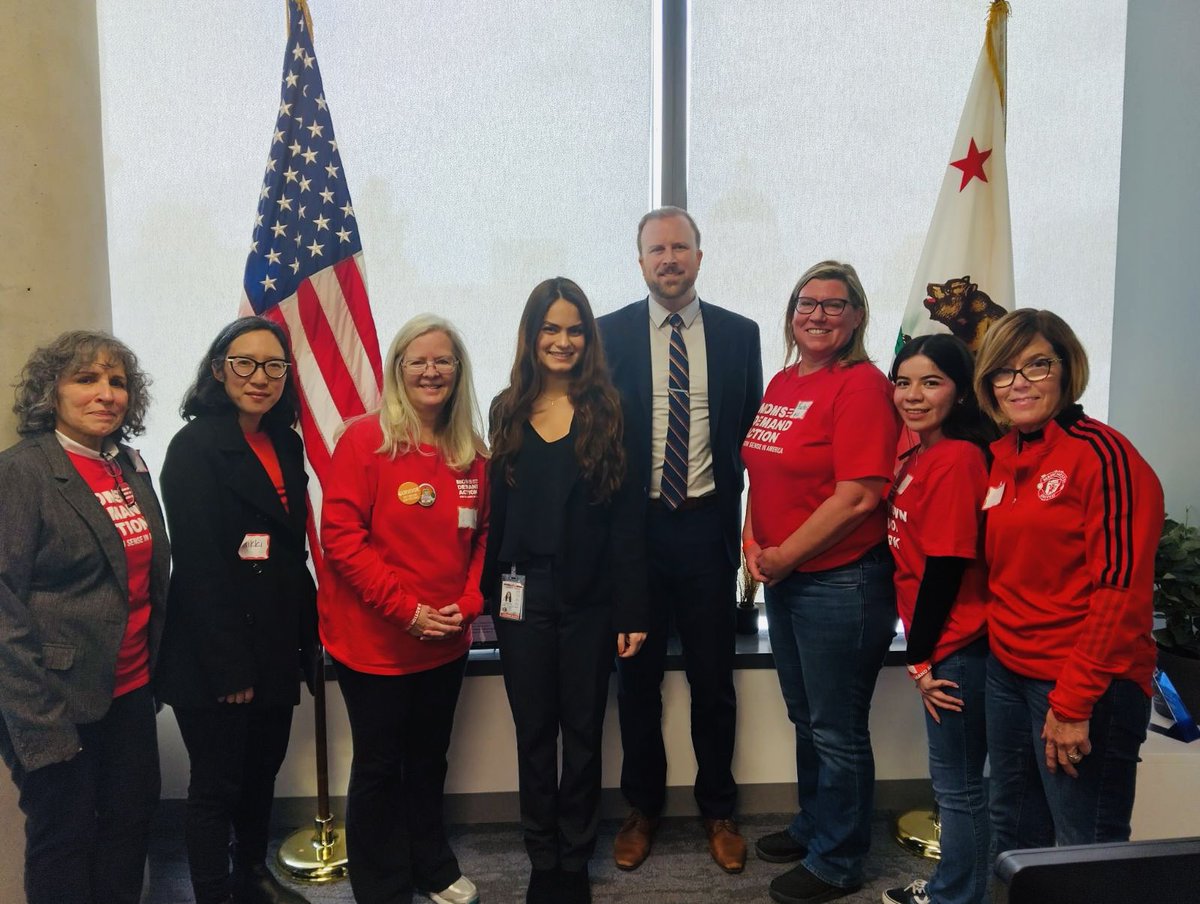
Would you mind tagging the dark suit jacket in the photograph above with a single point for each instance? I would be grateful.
(235, 623)
(734, 392)
(64, 598)
(603, 557)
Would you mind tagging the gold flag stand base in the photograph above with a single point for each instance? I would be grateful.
(315, 855)
(920, 832)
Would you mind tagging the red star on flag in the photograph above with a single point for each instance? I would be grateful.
(972, 165)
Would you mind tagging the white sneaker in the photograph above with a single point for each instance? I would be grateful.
(461, 891)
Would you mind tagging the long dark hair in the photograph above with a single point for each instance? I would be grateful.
(207, 394)
(966, 421)
(598, 424)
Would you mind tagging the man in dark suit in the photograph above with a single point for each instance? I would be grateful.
(690, 375)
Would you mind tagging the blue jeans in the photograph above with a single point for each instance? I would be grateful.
(1032, 807)
(829, 633)
(957, 750)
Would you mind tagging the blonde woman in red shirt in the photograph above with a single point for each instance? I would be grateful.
(1074, 515)
(404, 526)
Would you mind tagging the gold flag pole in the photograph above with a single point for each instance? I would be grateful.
(316, 854)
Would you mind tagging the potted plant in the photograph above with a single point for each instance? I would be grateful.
(1177, 604)
(747, 611)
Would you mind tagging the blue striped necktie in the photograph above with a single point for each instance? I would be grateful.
(675, 459)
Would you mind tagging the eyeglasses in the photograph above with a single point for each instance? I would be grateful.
(1034, 372)
(275, 369)
(833, 307)
(418, 366)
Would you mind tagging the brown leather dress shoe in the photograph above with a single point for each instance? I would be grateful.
(632, 845)
(726, 844)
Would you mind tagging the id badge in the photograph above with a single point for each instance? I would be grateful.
(512, 596)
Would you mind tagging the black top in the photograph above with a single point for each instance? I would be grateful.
(544, 474)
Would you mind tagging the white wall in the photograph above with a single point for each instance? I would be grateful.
(1155, 391)
(483, 750)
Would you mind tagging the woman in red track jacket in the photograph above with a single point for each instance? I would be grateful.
(1074, 515)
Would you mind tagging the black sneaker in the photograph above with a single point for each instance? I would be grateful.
(779, 847)
(799, 886)
(913, 893)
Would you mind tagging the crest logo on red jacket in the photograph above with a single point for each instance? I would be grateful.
(1051, 484)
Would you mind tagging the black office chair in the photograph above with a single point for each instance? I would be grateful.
(1139, 872)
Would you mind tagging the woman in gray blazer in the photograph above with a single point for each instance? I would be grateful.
(83, 583)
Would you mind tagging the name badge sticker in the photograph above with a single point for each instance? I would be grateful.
(468, 517)
(994, 496)
(255, 547)
(139, 463)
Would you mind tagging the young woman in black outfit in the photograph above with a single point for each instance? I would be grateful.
(241, 616)
(565, 567)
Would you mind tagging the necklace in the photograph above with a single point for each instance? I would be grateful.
(550, 403)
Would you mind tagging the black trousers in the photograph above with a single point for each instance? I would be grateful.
(692, 584)
(395, 834)
(235, 751)
(87, 821)
(556, 667)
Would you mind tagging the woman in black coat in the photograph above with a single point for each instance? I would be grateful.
(243, 623)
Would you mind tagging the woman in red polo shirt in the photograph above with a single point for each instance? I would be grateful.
(404, 525)
(935, 533)
(1074, 516)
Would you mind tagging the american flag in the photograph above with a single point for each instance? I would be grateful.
(305, 269)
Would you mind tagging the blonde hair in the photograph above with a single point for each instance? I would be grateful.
(458, 436)
(1011, 335)
(854, 351)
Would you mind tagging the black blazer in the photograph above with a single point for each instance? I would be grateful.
(603, 557)
(734, 391)
(236, 623)
(64, 598)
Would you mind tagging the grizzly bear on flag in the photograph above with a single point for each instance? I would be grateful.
(960, 306)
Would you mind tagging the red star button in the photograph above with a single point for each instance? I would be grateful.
(972, 165)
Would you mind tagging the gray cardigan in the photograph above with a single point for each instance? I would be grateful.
(64, 598)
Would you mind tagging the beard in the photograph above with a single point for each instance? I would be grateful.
(681, 289)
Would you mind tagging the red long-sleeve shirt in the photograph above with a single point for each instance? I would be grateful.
(385, 552)
(1073, 522)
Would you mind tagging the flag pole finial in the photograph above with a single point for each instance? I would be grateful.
(303, 4)
(998, 13)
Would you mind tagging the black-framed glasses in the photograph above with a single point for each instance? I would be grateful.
(274, 368)
(1034, 372)
(833, 307)
(418, 366)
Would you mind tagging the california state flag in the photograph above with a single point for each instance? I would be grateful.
(965, 279)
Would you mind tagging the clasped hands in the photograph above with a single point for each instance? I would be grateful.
(436, 624)
(767, 566)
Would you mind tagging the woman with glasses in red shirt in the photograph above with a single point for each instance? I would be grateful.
(1074, 516)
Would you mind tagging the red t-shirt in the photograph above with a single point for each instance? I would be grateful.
(811, 432)
(133, 657)
(385, 552)
(1073, 524)
(935, 509)
(264, 450)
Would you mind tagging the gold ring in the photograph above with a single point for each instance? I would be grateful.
(1075, 757)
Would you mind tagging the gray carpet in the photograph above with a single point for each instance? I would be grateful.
(678, 872)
